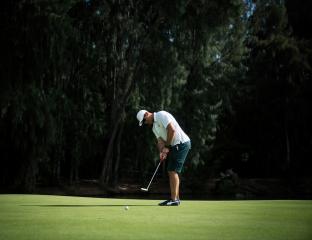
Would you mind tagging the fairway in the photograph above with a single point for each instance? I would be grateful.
(57, 217)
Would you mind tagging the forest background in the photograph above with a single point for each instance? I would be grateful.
(235, 74)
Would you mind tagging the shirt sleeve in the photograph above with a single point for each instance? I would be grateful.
(165, 120)
(155, 132)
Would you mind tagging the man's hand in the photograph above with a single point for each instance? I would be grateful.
(163, 154)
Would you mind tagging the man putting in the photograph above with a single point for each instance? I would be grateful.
(172, 140)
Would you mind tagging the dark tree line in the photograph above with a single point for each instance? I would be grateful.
(236, 74)
(273, 119)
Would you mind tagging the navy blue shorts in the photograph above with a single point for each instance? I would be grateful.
(177, 156)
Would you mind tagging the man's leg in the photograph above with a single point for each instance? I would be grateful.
(174, 185)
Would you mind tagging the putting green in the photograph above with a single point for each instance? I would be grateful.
(57, 217)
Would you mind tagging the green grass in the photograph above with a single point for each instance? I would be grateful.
(57, 217)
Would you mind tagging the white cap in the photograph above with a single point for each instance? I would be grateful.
(140, 116)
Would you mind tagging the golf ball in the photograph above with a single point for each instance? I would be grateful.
(126, 208)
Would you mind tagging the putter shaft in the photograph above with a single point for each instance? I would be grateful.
(146, 189)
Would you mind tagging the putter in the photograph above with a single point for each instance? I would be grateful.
(146, 189)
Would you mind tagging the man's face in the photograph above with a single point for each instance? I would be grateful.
(148, 118)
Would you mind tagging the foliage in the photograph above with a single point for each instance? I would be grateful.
(268, 135)
(236, 75)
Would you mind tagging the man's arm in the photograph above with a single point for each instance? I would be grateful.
(163, 151)
(160, 144)
(170, 134)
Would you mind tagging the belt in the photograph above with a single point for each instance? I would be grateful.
(177, 145)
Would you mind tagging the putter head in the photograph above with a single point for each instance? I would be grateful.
(144, 189)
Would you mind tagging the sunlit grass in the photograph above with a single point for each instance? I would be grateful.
(57, 217)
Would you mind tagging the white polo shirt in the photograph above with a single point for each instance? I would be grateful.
(161, 121)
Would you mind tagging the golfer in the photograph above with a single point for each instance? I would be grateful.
(172, 140)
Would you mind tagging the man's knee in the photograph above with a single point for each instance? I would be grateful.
(173, 173)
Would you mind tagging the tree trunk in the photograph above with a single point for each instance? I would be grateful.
(29, 171)
(107, 163)
(116, 165)
(287, 141)
(122, 78)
